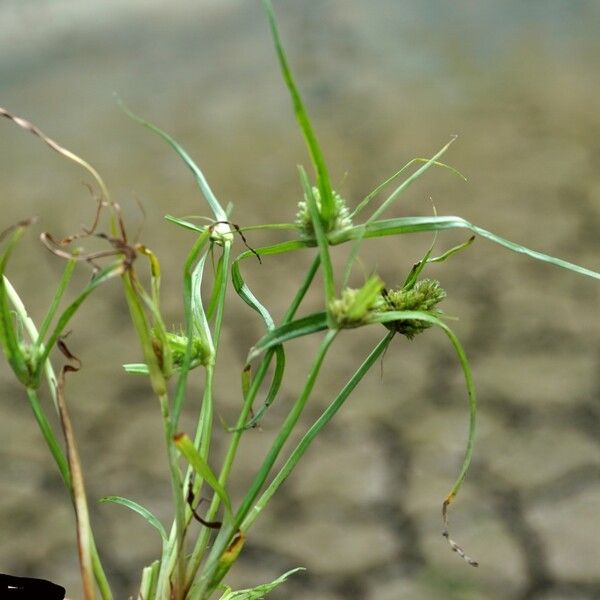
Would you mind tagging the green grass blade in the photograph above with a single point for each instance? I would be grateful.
(420, 224)
(259, 592)
(195, 318)
(49, 437)
(274, 386)
(289, 331)
(452, 251)
(464, 363)
(321, 237)
(60, 290)
(367, 199)
(208, 582)
(324, 184)
(245, 293)
(186, 447)
(310, 435)
(417, 269)
(140, 510)
(185, 224)
(214, 297)
(391, 198)
(408, 181)
(217, 209)
(149, 581)
(108, 272)
(8, 334)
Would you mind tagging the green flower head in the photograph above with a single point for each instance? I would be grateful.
(424, 296)
(341, 219)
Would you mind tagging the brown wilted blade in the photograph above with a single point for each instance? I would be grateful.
(62, 346)
(453, 545)
(24, 223)
(190, 501)
(31, 128)
(77, 484)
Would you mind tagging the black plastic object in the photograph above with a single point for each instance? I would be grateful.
(27, 588)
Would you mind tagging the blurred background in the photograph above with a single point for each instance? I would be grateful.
(385, 81)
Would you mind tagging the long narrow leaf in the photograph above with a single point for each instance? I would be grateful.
(258, 592)
(8, 335)
(102, 276)
(289, 331)
(327, 203)
(140, 510)
(420, 224)
(186, 447)
(389, 200)
(217, 209)
(321, 237)
(367, 199)
(310, 435)
(464, 363)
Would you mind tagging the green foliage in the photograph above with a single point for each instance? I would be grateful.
(194, 562)
(260, 591)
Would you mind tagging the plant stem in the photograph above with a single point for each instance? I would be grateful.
(60, 290)
(198, 552)
(310, 435)
(206, 584)
(63, 467)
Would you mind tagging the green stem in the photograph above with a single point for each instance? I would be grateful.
(322, 241)
(201, 329)
(202, 438)
(53, 444)
(327, 202)
(198, 552)
(60, 290)
(206, 584)
(310, 435)
(177, 541)
(407, 182)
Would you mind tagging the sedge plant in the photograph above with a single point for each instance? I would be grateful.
(193, 564)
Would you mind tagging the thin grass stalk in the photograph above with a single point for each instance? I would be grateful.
(193, 303)
(191, 328)
(322, 241)
(195, 322)
(55, 448)
(60, 290)
(178, 565)
(103, 275)
(402, 225)
(206, 585)
(367, 199)
(51, 440)
(324, 184)
(403, 186)
(198, 551)
(310, 435)
(160, 389)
